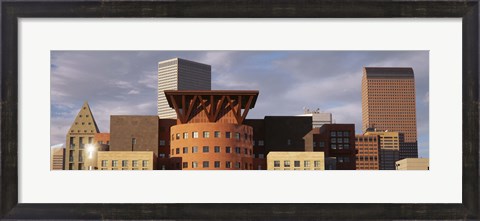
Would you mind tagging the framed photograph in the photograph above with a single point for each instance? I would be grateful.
(336, 95)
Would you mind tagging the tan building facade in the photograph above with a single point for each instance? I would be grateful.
(126, 160)
(389, 148)
(388, 103)
(413, 164)
(295, 161)
(79, 138)
(57, 158)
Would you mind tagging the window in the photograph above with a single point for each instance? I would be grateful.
(245, 151)
(237, 150)
(185, 135)
(339, 140)
(314, 144)
(205, 164)
(177, 151)
(333, 140)
(276, 163)
(124, 163)
(206, 134)
(333, 146)
(145, 163)
(90, 140)
(205, 149)
(321, 144)
(228, 164)
(195, 134)
(346, 146)
(228, 149)
(114, 163)
(217, 149)
(80, 141)
(185, 150)
(228, 134)
(237, 136)
(261, 156)
(162, 155)
(346, 140)
(237, 165)
(333, 133)
(245, 137)
(286, 163)
(346, 133)
(296, 163)
(104, 163)
(134, 141)
(177, 136)
(194, 149)
(217, 164)
(306, 163)
(216, 134)
(339, 133)
(260, 143)
(134, 163)
(194, 164)
(185, 165)
(289, 142)
(253, 142)
(316, 163)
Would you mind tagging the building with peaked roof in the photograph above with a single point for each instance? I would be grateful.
(81, 133)
(210, 133)
(388, 103)
(180, 74)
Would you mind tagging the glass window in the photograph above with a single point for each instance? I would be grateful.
(177, 151)
(162, 155)
(145, 163)
(321, 144)
(114, 163)
(333, 133)
(346, 133)
(306, 163)
(228, 164)
(185, 135)
(104, 163)
(205, 164)
(286, 163)
(237, 150)
(124, 163)
(237, 136)
(206, 134)
(195, 134)
(339, 133)
(217, 164)
(134, 163)
(245, 151)
(216, 134)
(194, 149)
(237, 165)
(289, 142)
(314, 144)
(333, 140)
(333, 146)
(194, 164)
(205, 149)
(162, 142)
(217, 149)
(228, 149)
(177, 136)
(339, 140)
(260, 143)
(346, 140)
(261, 156)
(346, 146)
(185, 150)
(316, 163)
(228, 134)
(185, 165)
(276, 163)
(296, 163)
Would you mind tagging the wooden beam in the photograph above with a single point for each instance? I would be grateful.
(230, 103)
(219, 107)
(175, 106)
(190, 107)
(247, 107)
(202, 102)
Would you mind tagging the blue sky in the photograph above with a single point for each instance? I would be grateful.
(125, 82)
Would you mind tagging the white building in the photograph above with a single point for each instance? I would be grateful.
(180, 74)
(318, 118)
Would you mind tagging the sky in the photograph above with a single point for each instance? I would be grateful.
(125, 83)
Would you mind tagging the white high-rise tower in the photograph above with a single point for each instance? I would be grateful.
(180, 74)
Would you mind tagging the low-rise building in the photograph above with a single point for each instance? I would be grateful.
(57, 158)
(367, 147)
(126, 160)
(295, 161)
(389, 147)
(413, 164)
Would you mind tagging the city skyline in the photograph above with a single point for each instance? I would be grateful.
(125, 83)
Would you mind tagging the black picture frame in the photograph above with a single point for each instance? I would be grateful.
(12, 10)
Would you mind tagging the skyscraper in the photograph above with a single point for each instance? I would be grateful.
(180, 74)
(388, 103)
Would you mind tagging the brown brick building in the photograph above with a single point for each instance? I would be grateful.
(210, 134)
(367, 147)
(388, 103)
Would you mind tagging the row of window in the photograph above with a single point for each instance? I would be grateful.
(114, 163)
(216, 149)
(340, 146)
(113, 168)
(296, 169)
(216, 134)
(339, 133)
(216, 164)
(296, 163)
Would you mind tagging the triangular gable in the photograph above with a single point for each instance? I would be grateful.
(84, 122)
